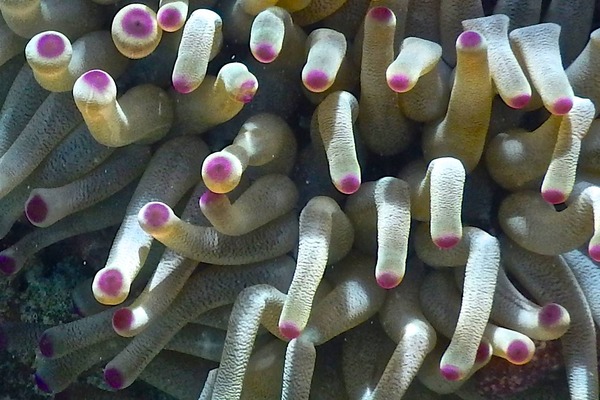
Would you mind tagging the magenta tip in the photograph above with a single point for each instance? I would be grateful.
(183, 85)
(155, 215)
(517, 352)
(554, 196)
(169, 18)
(519, 101)
(111, 282)
(289, 330)
(97, 79)
(114, 378)
(399, 83)
(122, 319)
(45, 345)
(41, 383)
(550, 314)
(469, 39)
(381, 14)
(264, 53)
(388, 280)
(594, 252)
(218, 168)
(446, 242)
(36, 209)
(209, 197)
(562, 106)
(483, 352)
(349, 184)
(247, 91)
(50, 45)
(8, 266)
(316, 81)
(450, 372)
(137, 22)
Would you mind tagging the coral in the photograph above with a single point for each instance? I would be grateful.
(345, 199)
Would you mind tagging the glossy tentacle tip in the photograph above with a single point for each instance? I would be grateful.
(561, 106)
(447, 241)
(51, 44)
(8, 265)
(400, 83)
(348, 184)
(519, 352)
(451, 372)
(264, 52)
(36, 209)
(122, 320)
(114, 378)
(388, 280)
(594, 252)
(137, 21)
(97, 80)
(108, 285)
(554, 196)
(317, 80)
(519, 101)
(183, 85)
(551, 314)
(381, 14)
(289, 329)
(246, 91)
(469, 40)
(170, 18)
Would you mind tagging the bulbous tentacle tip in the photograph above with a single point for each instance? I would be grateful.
(593, 251)
(469, 39)
(108, 283)
(316, 81)
(551, 314)
(97, 79)
(554, 196)
(36, 209)
(45, 345)
(519, 352)
(170, 19)
(388, 280)
(41, 383)
(182, 85)
(484, 352)
(349, 184)
(137, 21)
(264, 52)
(114, 378)
(122, 320)
(154, 215)
(562, 106)
(446, 242)
(519, 101)
(51, 44)
(381, 14)
(8, 265)
(451, 372)
(399, 83)
(289, 330)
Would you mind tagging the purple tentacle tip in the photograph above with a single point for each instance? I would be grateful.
(289, 330)
(450, 372)
(41, 383)
(264, 53)
(45, 345)
(247, 91)
(138, 23)
(316, 81)
(519, 101)
(218, 168)
(446, 242)
(122, 319)
(209, 197)
(381, 14)
(562, 106)
(169, 18)
(97, 79)
(183, 85)
(8, 266)
(518, 352)
(550, 314)
(114, 378)
(349, 184)
(554, 196)
(483, 352)
(111, 282)
(50, 45)
(594, 252)
(155, 214)
(36, 209)
(388, 280)
(399, 83)
(470, 39)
